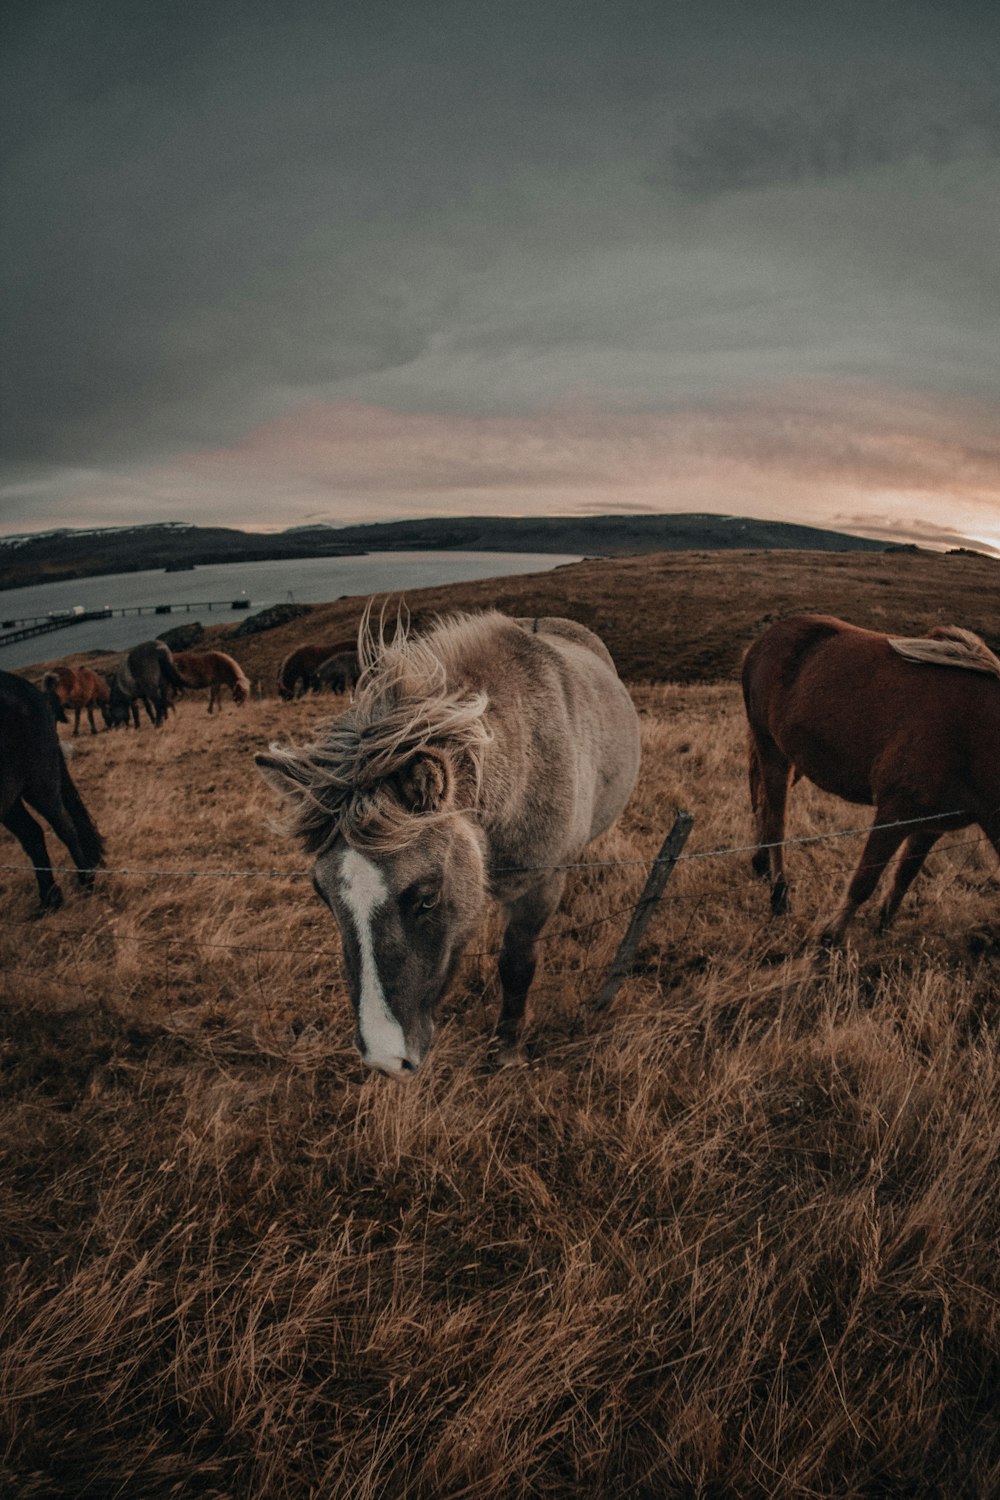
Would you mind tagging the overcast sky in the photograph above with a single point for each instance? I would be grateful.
(270, 264)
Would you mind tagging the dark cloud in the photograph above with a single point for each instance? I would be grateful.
(216, 214)
(766, 143)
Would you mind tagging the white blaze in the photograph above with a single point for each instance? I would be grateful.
(382, 1041)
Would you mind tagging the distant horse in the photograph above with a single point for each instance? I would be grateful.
(297, 672)
(911, 726)
(214, 670)
(144, 677)
(476, 761)
(338, 673)
(33, 771)
(77, 688)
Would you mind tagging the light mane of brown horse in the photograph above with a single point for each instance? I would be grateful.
(948, 646)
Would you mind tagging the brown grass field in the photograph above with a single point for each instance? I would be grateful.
(735, 1238)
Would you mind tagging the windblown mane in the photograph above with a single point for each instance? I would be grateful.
(349, 782)
(948, 646)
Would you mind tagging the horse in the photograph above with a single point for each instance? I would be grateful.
(143, 677)
(338, 673)
(34, 773)
(214, 670)
(77, 688)
(910, 726)
(297, 672)
(477, 761)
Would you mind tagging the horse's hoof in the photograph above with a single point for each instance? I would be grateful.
(780, 903)
(51, 901)
(830, 939)
(759, 865)
(510, 1055)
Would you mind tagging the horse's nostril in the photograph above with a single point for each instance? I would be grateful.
(406, 1065)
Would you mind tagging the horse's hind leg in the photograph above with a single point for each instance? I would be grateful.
(76, 721)
(525, 920)
(770, 774)
(916, 850)
(881, 845)
(32, 840)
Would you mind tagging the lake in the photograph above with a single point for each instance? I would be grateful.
(311, 580)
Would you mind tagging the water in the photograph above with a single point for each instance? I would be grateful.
(311, 580)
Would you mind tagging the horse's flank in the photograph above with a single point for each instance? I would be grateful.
(948, 646)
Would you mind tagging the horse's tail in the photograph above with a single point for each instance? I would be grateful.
(91, 841)
(50, 687)
(287, 676)
(169, 671)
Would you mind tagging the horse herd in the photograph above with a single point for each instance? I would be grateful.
(479, 758)
(150, 675)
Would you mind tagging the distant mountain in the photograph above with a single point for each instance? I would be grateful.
(64, 553)
(49, 555)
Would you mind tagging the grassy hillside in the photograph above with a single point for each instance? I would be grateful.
(735, 1238)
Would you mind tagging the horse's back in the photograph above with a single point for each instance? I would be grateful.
(568, 630)
(576, 725)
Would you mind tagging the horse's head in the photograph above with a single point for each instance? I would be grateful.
(115, 708)
(406, 908)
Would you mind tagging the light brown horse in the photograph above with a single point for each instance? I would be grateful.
(476, 761)
(77, 688)
(214, 670)
(909, 725)
(297, 673)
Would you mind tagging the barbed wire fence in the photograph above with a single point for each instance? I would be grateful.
(639, 912)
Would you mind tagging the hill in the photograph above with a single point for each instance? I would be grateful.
(64, 553)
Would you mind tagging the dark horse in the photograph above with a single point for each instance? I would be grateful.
(143, 677)
(476, 762)
(297, 672)
(33, 771)
(338, 673)
(910, 726)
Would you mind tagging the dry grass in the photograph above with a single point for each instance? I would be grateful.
(737, 1238)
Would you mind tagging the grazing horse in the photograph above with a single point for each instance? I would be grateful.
(297, 672)
(476, 761)
(338, 673)
(33, 771)
(77, 688)
(911, 726)
(143, 677)
(214, 670)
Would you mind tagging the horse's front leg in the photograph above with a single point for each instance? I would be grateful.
(525, 919)
(881, 845)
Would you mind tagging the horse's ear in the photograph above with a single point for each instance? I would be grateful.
(427, 783)
(281, 773)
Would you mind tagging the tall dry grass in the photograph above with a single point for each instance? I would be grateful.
(736, 1238)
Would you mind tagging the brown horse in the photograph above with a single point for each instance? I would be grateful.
(34, 773)
(214, 670)
(910, 726)
(297, 672)
(77, 688)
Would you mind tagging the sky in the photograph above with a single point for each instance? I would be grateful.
(267, 265)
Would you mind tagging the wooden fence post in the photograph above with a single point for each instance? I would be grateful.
(652, 891)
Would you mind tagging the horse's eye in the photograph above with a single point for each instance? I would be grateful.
(428, 903)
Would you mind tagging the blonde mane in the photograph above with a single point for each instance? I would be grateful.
(948, 646)
(349, 782)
